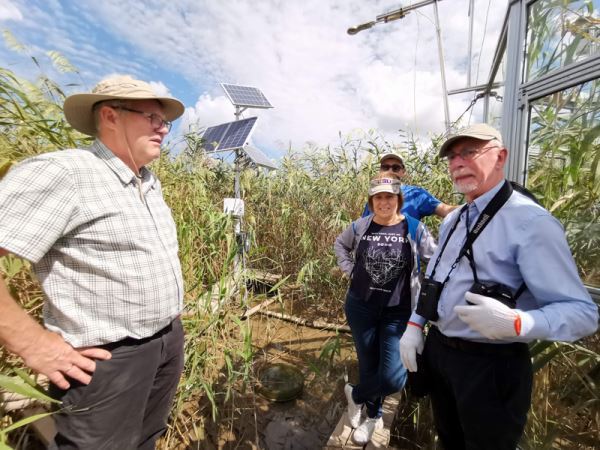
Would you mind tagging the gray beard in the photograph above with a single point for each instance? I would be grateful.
(464, 188)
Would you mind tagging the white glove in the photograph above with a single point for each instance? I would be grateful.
(411, 343)
(489, 317)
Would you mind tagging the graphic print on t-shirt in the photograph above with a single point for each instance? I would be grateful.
(383, 265)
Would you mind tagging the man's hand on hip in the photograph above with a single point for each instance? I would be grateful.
(48, 353)
(411, 343)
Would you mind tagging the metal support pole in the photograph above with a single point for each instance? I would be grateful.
(486, 107)
(470, 44)
(442, 69)
(236, 183)
(238, 260)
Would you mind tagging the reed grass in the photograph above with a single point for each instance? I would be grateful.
(293, 216)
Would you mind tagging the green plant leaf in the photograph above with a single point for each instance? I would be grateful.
(18, 386)
(26, 421)
(60, 62)
(5, 164)
(10, 265)
(3, 446)
(12, 42)
(25, 377)
(545, 358)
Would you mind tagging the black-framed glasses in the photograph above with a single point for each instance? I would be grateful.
(155, 120)
(468, 153)
(392, 167)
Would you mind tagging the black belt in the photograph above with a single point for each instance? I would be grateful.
(136, 341)
(479, 348)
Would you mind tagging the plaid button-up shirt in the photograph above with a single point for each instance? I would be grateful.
(106, 258)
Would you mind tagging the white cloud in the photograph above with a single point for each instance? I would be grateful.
(320, 80)
(9, 11)
(207, 112)
(160, 89)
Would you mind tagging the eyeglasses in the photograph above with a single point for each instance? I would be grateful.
(156, 121)
(468, 153)
(392, 167)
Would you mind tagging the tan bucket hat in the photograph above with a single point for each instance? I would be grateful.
(78, 107)
(480, 131)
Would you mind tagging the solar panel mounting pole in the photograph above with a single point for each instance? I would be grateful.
(237, 191)
(232, 137)
(238, 263)
(243, 97)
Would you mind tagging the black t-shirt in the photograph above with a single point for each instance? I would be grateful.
(383, 266)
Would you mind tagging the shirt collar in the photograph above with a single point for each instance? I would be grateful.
(115, 164)
(482, 201)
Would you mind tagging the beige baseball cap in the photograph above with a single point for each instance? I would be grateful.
(384, 185)
(481, 131)
(391, 155)
(78, 107)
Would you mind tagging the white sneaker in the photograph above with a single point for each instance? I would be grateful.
(364, 432)
(353, 408)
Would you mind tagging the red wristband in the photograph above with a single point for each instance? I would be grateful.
(414, 324)
(518, 325)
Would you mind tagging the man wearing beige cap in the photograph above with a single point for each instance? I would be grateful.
(418, 202)
(488, 296)
(103, 245)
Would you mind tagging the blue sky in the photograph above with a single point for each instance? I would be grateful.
(321, 81)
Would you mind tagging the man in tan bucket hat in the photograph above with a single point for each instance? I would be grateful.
(103, 243)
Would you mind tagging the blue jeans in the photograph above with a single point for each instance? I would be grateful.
(376, 330)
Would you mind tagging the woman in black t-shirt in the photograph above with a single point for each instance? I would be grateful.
(381, 254)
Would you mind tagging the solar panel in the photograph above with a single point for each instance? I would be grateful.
(228, 136)
(258, 157)
(237, 134)
(246, 96)
(212, 137)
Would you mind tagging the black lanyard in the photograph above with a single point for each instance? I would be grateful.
(484, 218)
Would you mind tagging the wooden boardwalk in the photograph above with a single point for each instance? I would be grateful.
(342, 434)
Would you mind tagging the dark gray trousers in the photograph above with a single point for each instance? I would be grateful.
(127, 403)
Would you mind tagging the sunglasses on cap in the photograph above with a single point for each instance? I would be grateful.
(392, 167)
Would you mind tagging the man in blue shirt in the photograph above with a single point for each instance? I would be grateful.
(418, 202)
(475, 356)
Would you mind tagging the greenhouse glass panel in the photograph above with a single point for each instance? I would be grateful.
(560, 32)
(563, 155)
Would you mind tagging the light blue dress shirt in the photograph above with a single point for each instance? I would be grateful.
(522, 242)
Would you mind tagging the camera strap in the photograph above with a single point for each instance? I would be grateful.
(469, 255)
(490, 211)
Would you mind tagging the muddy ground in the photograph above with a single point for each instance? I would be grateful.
(327, 359)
